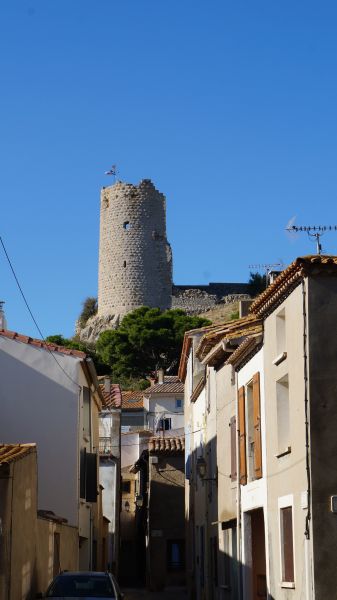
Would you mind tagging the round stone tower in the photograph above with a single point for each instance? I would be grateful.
(135, 259)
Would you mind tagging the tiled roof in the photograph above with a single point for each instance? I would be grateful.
(113, 398)
(186, 348)
(12, 452)
(132, 400)
(249, 346)
(171, 385)
(25, 339)
(290, 278)
(229, 331)
(167, 445)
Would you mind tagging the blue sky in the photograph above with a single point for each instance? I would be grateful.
(229, 107)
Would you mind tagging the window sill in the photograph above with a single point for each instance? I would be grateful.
(283, 452)
(288, 584)
(280, 358)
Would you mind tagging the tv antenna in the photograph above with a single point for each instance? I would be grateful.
(112, 172)
(267, 268)
(314, 232)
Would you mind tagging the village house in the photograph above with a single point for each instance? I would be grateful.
(161, 512)
(50, 396)
(271, 377)
(35, 546)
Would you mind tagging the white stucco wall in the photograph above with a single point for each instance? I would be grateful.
(40, 404)
(163, 407)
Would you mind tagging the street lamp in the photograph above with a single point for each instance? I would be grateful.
(202, 470)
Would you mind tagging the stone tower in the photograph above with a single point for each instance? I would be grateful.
(135, 259)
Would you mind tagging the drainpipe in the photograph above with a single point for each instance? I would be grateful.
(308, 528)
(238, 491)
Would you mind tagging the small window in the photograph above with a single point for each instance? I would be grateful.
(124, 264)
(179, 403)
(164, 424)
(283, 420)
(287, 549)
(175, 555)
(126, 487)
(126, 225)
(281, 332)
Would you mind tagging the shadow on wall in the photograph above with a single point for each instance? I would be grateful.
(214, 550)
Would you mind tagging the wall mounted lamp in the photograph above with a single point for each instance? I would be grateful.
(202, 470)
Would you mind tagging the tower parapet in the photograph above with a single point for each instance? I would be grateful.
(135, 258)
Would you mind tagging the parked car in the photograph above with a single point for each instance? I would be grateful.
(83, 584)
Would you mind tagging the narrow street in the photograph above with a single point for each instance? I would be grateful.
(142, 594)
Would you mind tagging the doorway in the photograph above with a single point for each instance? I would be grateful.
(255, 580)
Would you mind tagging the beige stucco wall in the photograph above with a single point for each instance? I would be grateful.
(226, 409)
(45, 550)
(286, 475)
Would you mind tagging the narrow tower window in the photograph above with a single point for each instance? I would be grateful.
(126, 225)
(124, 264)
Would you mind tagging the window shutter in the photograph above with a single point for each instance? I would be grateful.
(234, 473)
(257, 426)
(91, 477)
(83, 456)
(242, 436)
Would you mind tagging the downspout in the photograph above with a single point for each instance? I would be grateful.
(306, 412)
(309, 579)
(238, 515)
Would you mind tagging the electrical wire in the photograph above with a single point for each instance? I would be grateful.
(32, 316)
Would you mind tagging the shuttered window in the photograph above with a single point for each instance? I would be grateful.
(232, 425)
(242, 436)
(257, 427)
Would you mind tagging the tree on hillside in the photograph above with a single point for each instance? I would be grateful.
(73, 344)
(146, 340)
(89, 309)
(256, 284)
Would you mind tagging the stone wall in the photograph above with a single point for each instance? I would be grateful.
(200, 299)
(135, 259)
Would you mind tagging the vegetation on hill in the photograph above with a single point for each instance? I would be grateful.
(89, 309)
(257, 283)
(147, 339)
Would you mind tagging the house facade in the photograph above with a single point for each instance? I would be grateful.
(50, 396)
(271, 377)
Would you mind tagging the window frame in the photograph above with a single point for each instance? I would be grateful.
(286, 502)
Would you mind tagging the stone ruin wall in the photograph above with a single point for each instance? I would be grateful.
(199, 299)
(135, 259)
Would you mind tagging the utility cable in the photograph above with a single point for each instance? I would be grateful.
(32, 316)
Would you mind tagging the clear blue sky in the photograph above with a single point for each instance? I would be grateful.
(229, 107)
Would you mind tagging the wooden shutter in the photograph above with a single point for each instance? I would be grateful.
(257, 426)
(232, 425)
(91, 477)
(242, 435)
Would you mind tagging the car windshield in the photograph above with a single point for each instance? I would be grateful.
(81, 586)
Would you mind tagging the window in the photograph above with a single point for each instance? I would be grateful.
(164, 424)
(232, 425)
(86, 413)
(126, 487)
(283, 420)
(228, 550)
(126, 225)
(175, 555)
(250, 444)
(88, 476)
(286, 520)
(179, 403)
(124, 264)
(281, 332)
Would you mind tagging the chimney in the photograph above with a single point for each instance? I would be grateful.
(160, 374)
(107, 385)
(3, 322)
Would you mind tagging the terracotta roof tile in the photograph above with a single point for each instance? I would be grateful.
(290, 278)
(171, 385)
(229, 331)
(18, 337)
(12, 452)
(167, 445)
(112, 398)
(132, 400)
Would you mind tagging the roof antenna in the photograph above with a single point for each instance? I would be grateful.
(112, 172)
(314, 232)
(267, 268)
